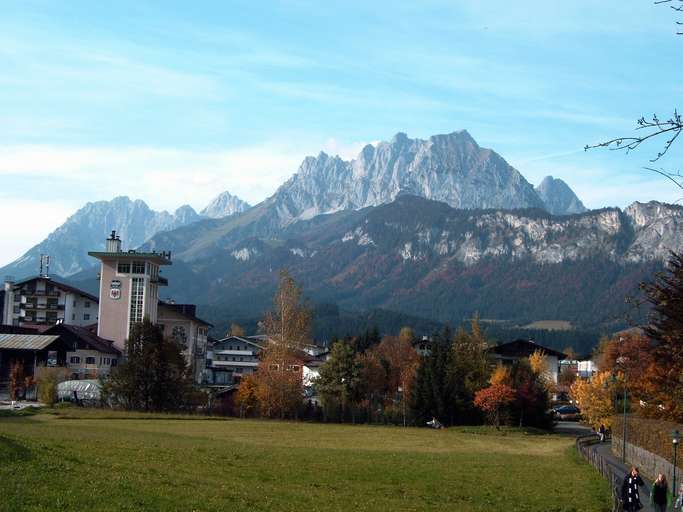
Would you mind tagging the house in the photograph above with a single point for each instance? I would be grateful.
(509, 353)
(232, 357)
(43, 301)
(87, 356)
(583, 366)
(81, 352)
(180, 322)
(423, 346)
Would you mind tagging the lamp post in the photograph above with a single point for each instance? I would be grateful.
(675, 439)
(403, 404)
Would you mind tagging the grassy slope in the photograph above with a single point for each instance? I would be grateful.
(105, 462)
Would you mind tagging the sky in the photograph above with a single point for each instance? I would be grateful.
(174, 102)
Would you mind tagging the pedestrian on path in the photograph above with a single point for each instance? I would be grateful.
(679, 501)
(629, 491)
(659, 495)
(601, 432)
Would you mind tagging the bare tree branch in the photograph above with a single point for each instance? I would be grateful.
(676, 5)
(654, 127)
(675, 177)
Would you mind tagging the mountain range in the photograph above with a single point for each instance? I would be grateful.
(438, 228)
(69, 244)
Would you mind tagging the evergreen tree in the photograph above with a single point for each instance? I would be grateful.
(339, 380)
(154, 376)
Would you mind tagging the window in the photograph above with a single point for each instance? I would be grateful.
(114, 362)
(73, 316)
(89, 360)
(86, 304)
(86, 316)
(75, 303)
(137, 295)
(75, 360)
(138, 267)
(179, 335)
(124, 268)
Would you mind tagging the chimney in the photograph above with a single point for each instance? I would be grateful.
(113, 243)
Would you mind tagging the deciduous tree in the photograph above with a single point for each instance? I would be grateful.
(492, 399)
(663, 380)
(289, 323)
(594, 398)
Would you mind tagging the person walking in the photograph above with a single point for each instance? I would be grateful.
(659, 495)
(601, 432)
(629, 491)
(679, 500)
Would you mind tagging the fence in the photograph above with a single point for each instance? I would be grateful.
(604, 467)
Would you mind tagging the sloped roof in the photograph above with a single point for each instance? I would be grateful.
(523, 348)
(58, 284)
(86, 336)
(256, 341)
(26, 341)
(186, 310)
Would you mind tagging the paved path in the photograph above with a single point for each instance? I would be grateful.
(605, 450)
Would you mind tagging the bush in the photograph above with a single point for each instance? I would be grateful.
(651, 435)
(48, 379)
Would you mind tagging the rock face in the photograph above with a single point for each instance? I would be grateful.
(451, 168)
(224, 205)
(86, 230)
(558, 198)
(426, 258)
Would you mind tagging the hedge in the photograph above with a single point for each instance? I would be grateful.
(652, 435)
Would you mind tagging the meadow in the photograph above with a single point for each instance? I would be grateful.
(102, 460)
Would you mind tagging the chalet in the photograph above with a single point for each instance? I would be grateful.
(88, 356)
(509, 353)
(43, 301)
(82, 353)
(230, 358)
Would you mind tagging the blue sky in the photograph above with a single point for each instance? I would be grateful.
(173, 102)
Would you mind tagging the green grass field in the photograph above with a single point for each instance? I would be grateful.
(79, 460)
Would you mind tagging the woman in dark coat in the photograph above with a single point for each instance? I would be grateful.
(629, 491)
(659, 494)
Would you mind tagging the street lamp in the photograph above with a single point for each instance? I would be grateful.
(403, 404)
(675, 439)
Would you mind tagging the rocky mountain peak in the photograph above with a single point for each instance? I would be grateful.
(86, 229)
(451, 168)
(558, 198)
(224, 205)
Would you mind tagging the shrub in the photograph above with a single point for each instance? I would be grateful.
(48, 379)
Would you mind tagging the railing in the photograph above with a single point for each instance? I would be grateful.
(595, 459)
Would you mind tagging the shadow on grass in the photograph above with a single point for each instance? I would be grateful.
(19, 413)
(13, 451)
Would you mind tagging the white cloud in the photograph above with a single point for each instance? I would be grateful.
(26, 221)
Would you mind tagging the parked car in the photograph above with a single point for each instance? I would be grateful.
(567, 413)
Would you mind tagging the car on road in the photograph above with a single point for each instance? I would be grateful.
(567, 413)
